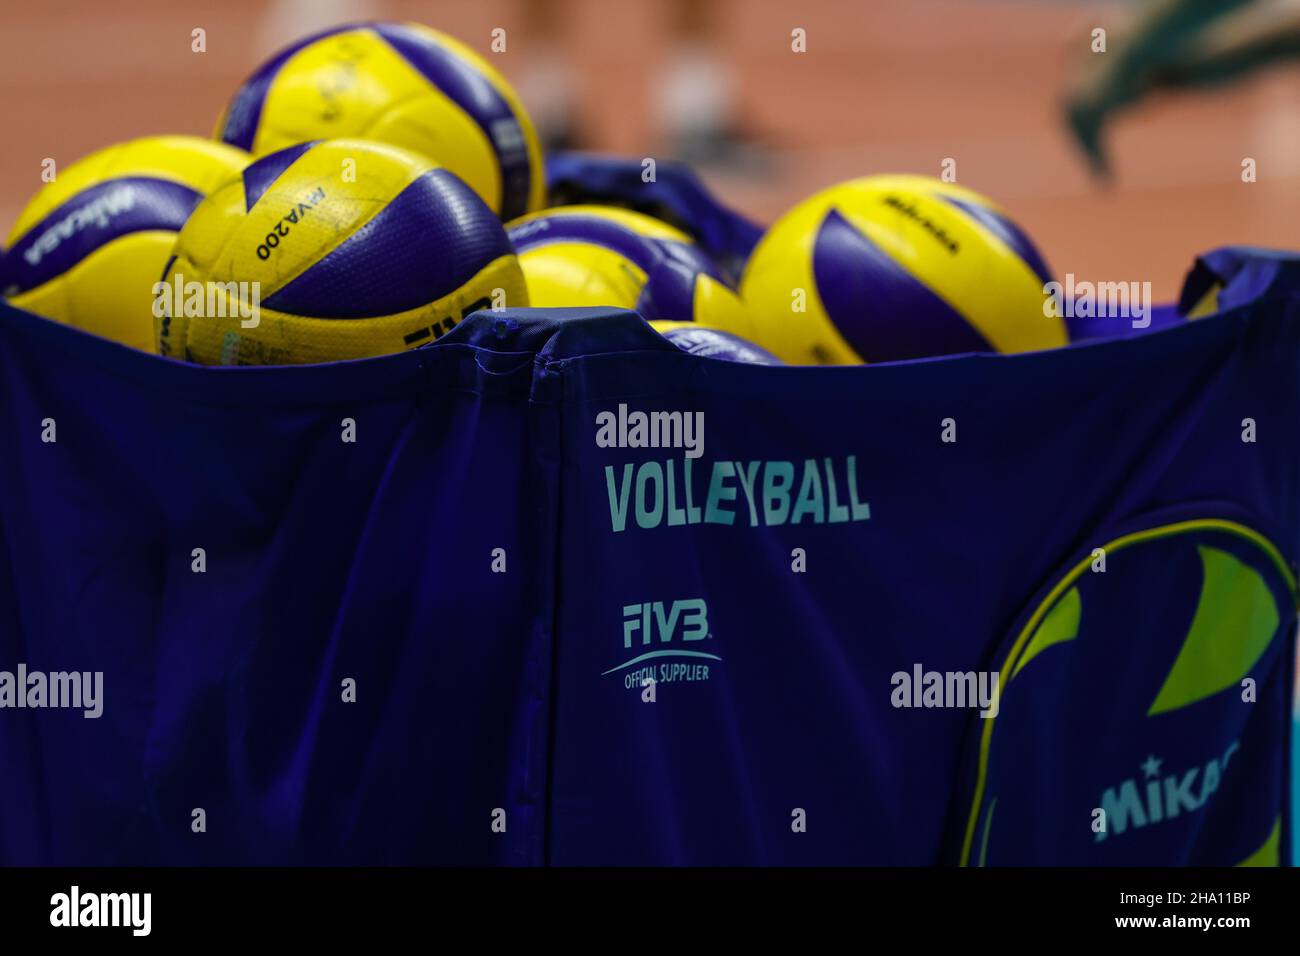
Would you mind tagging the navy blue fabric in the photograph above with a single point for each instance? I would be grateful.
(1163, 777)
(1245, 274)
(1105, 325)
(480, 691)
(962, 539)
(675, 195)
(325, 561)
(431, 239)
(88, 221)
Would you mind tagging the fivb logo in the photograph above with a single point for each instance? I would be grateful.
(657, 634)
(651, 619)
(1166, 798)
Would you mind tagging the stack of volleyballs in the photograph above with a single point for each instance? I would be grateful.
(90, 245)
(358, 191)
(374, 184)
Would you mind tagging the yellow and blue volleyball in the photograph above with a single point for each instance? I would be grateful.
(708, 342)
(308, 262)
(402, 84)
(885, 268)
(89, 246)
(1206, 304)
(588, 255)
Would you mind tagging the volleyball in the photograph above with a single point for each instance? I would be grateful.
(714, 343)
(1207, 303)
(897, 267)
(402, 84)
(590, 255)
(295, 262)
(90, 244)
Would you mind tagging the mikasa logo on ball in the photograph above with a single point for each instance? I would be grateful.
(98, 213)
(526, 230)
(909, 210)
(507, 136)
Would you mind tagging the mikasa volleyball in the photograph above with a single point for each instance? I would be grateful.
(398, 83)
(896, 267)
(346, 267)
(89, 245)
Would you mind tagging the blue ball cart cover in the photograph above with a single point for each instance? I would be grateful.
(456, 606)
(667, 190)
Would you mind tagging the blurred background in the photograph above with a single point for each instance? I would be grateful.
(890, 85)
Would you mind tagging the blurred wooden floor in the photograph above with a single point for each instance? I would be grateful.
(886, 85)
